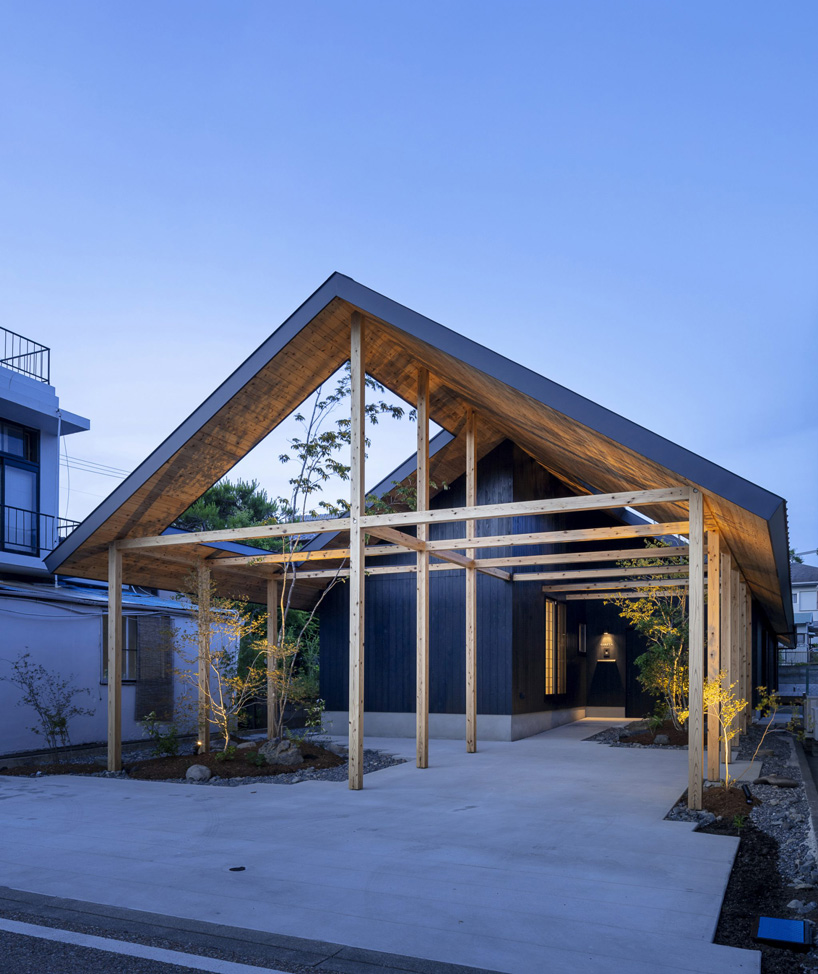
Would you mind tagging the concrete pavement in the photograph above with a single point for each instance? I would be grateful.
(549, 853)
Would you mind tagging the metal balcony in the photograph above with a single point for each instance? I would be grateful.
(25, 356)
(31, 533)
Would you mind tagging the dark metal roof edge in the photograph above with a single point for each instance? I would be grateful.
(270, 347)
(779, 540)
(599, 419)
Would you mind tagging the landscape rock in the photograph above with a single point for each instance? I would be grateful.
(661, 739)
(245, 746)
(778, 780)
(339, 749)
(281, 752)
(198, 772)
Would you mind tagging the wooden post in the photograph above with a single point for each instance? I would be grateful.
(741, 689)
(725, 620)
(204, 634)
(357, 500)
(713, 650)
(747, 657)
(695, 743)
(114, 658)
(736, 629)
(272, 661)
(422, 694)
(471, 590)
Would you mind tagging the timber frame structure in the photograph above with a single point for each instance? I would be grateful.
(736, 541)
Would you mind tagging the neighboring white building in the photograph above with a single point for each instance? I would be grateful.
(62, 622)
(805, 607)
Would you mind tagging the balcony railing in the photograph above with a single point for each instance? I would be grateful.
(31, 533)
(23, 355)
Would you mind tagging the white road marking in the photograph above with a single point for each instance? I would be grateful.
(197, 962)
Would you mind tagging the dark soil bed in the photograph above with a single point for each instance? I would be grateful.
(675, 737)
(755, 889)
(159, 769)
(241, 766)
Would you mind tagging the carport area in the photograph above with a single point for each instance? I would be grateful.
(547, 854)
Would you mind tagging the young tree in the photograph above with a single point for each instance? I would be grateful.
(317, 453)
(719, 699)
(228, 625)
(50, 696)
(663, 621)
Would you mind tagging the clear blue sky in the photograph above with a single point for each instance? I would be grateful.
(623, 196)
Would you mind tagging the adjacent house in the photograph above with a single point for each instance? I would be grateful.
(482, 609)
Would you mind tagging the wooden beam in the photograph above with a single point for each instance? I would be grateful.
(580, 557)
(203, 657)
(299, 557)
(422, 681)
(585, 502)
(471, 589)
(695, 724)
(236, 534)
(597, 596)
(553, 505)
(725, 617)
(603, 573)
(613, 586)
(561, 537)
(713, 648)
(356, 551)
(272, 661)
(418, 544)
(114, 659)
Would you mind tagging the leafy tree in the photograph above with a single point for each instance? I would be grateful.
(242, 504)
(663, 621)
(231, 624)
(796, 558)
(50, 696)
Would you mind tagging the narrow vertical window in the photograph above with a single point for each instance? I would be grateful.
(555, 643)
(550, 644)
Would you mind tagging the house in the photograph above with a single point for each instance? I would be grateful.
(796, 677)
(483, 610)
(804, 605)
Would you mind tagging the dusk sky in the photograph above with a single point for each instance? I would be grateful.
(623, 196)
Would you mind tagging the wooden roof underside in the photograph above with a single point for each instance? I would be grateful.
(565, 433)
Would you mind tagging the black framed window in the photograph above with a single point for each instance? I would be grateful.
(19, 488)
(130, 644)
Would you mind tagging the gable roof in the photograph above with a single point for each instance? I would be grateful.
(803, 574)
(587, 446)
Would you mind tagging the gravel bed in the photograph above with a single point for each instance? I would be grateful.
(784, 813)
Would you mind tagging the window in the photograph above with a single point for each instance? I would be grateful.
(809, 601)
(555, 669)
(129, 647)
(19, 488)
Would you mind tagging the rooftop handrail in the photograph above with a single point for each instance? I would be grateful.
(21, 354)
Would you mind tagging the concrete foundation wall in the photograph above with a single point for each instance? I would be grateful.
(452, 727)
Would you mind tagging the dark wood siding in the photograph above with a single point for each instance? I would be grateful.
(390, 627)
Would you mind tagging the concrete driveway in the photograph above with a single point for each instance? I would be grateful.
(548, 854)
